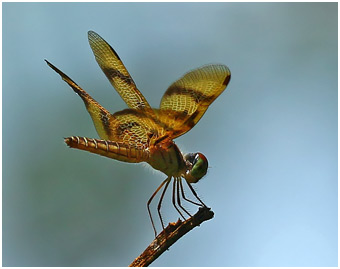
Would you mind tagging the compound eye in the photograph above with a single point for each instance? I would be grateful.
(199, 167)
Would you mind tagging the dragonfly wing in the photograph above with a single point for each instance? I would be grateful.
(100, 116)
(116, 72)
(130, 135)
(134, 127)
(130, 127)
(187, 99)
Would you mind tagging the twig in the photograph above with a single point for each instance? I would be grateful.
(170, 235)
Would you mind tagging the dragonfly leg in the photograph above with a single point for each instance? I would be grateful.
(148, 204)
(183, 194)
(174, 198)
(195, 194)
(161, 199)
(178, 182)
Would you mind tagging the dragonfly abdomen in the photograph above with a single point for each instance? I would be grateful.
(110, 149)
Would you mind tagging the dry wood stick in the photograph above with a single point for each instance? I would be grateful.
(170, 235)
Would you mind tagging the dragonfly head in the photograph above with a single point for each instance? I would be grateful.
(197, 166)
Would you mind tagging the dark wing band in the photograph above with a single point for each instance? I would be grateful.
(187, 99)
(116, 72)
(131, 127)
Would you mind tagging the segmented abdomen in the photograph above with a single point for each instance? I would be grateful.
(110, 149)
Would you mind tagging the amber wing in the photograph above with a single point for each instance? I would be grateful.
(182, 105)
(130, 127)
(99, 114)
(137, 128)
(116, 72)
(187, 99)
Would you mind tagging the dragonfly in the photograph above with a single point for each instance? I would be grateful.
(141, 133)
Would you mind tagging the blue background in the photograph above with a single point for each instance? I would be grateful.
(271, 137)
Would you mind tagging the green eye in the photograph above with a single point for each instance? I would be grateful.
(199, 166)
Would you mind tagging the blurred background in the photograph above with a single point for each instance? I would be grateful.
(270, 138)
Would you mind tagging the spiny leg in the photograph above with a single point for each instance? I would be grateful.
(148, 204)
(183, 195)
(174, 198)
(178, 180)
(161, 199)
(195, 194)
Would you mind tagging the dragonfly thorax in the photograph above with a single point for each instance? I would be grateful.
(167, 157)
